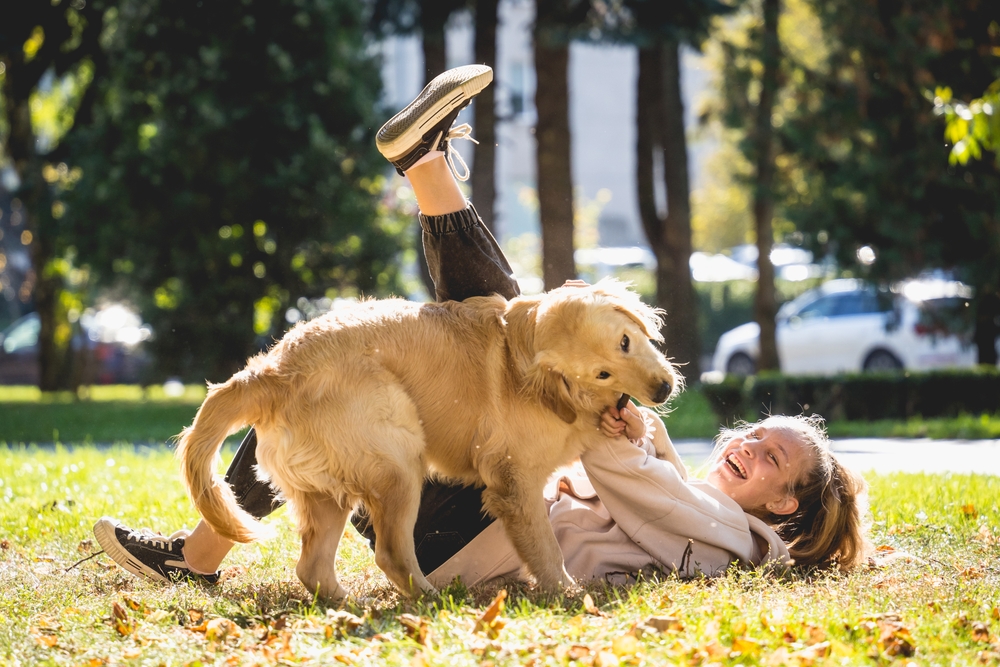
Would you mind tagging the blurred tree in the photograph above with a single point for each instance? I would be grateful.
(861, 168)
(659, 29)
(556, 23)
(45, 41)
(429, 18)
(484, 158)
(230, 170)
(873, 150)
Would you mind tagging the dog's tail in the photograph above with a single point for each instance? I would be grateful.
(227, 408)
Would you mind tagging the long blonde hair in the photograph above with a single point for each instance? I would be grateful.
(829, 527)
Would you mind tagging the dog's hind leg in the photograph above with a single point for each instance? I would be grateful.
(321, 521)
(393, 503)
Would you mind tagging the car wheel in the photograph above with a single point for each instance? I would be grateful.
(741, 364)
(882, 360)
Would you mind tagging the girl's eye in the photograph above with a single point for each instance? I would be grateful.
(773, 458)
(625, 343)
(603, 375)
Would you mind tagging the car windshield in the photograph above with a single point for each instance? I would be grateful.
(22, 335)
(841, 304)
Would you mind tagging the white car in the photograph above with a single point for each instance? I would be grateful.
(848, 325)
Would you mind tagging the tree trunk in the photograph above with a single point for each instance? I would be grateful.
(680, 303)
(432, 24)
(987, 323)
(33, 194)
(552, 159)
(765, 303)
(660, 127)
(484, 157)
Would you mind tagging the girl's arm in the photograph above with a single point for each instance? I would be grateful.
(638, 424)
(652, 503)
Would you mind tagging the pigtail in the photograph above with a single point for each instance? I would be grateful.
(829, 531)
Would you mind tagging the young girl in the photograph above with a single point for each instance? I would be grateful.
(773, 493)
(774, 490)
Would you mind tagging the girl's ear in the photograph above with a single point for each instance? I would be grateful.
(786, 505)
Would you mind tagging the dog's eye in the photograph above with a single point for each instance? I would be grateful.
(624, 343)
(603, 375)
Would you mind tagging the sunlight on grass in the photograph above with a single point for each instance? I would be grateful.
(941, 609)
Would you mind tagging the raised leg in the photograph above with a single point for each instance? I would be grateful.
(321, 522)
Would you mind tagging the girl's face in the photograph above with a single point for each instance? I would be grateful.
(756, 468)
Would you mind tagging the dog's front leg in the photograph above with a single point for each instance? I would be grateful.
(521, 506)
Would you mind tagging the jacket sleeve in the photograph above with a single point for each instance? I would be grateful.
(650, 501)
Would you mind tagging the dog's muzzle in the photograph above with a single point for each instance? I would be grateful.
(662, 392)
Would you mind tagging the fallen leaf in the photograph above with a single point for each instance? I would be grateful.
(121, 621)
(969, 510)
(980, 632)
(132, 653)
(810, 654)
(489, 621)
(85, 546)
(664, 623)
(195, 616)
(44, 639)
(221, 629)
(746, 646)
(342, 622)
(816, 634)
(626, 644)
(590, 607)
(416, 628)
(895, 639)
(4, 544)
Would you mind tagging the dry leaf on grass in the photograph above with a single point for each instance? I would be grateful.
(121, 621)
(415, 627)
(590, 607)
(489, 621)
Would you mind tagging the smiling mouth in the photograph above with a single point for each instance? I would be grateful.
(736, 466)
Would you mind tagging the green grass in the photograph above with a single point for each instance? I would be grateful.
(130, 414)
(55, 610)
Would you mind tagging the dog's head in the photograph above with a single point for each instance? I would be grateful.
(590, 344)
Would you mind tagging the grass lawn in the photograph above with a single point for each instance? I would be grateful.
(55, 610)
(113, 414)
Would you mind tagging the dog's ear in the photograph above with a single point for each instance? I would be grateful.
(628, 303)
(552, 389)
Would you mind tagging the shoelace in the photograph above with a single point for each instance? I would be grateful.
(157, 540)
(463, 131)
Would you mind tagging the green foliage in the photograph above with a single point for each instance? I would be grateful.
(860, 397)
(230, 170)
(860, 158)
(973, 127)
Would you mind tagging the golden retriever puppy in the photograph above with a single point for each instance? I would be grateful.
(359, 405)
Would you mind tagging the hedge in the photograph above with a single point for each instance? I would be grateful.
(858, 396)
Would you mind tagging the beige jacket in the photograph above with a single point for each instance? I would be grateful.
(626, 511)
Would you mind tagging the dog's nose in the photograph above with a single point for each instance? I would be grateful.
(662, 392)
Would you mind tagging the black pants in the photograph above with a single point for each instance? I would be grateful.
(464, 260)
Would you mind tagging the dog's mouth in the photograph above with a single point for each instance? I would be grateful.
(623, 401)
(735, 465)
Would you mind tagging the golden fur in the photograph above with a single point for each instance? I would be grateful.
(359, 404)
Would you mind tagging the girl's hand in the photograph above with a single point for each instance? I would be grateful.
(615, 422)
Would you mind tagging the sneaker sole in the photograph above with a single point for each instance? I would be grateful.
(105, 534)
(440, 97)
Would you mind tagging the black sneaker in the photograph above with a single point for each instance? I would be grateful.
(425, 124)
(147, 554)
